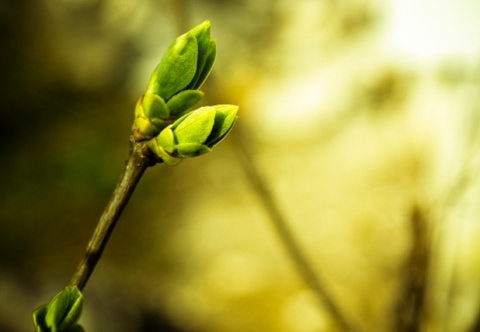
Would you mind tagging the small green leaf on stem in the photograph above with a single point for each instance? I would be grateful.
(154, 106)
(183, 101)
(39, 319)
(190, 150)
(62, 313)
(166, 140)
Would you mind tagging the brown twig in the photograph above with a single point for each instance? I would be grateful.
(304, 267)
(139, 159)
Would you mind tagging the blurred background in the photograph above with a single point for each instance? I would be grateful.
(347, 196)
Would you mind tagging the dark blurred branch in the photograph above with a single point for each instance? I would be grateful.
(285, 234)
(476, 324)
(410, 310)
(180, 14)
(135, 166)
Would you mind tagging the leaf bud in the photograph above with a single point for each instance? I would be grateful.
(194, 134)
(186, 63)
(62, 313)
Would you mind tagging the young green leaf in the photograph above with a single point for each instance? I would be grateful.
(190, 150)
(154, 106)
(206, 48)
(61, 314)
(64, 310)
(204, 66)
(166, 140)
(39, 319)
(202, 33)
(177, 67)
(183, 101)
(194, 127)
(225, 117)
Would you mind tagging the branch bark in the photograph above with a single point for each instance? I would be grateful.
(139, 159)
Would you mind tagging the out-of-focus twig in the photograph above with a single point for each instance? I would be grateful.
(304, 267)
(410, 309)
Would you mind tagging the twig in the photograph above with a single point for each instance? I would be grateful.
(411, 309)
(138, 161)
(292, 247)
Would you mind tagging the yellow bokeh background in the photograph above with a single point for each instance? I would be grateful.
(357, 145)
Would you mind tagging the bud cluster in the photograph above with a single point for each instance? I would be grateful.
(163, 115)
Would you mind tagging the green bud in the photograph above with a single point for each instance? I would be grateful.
(186, 63)
(172, 89)
(177, 67)
(62, 313)
(194, 134)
